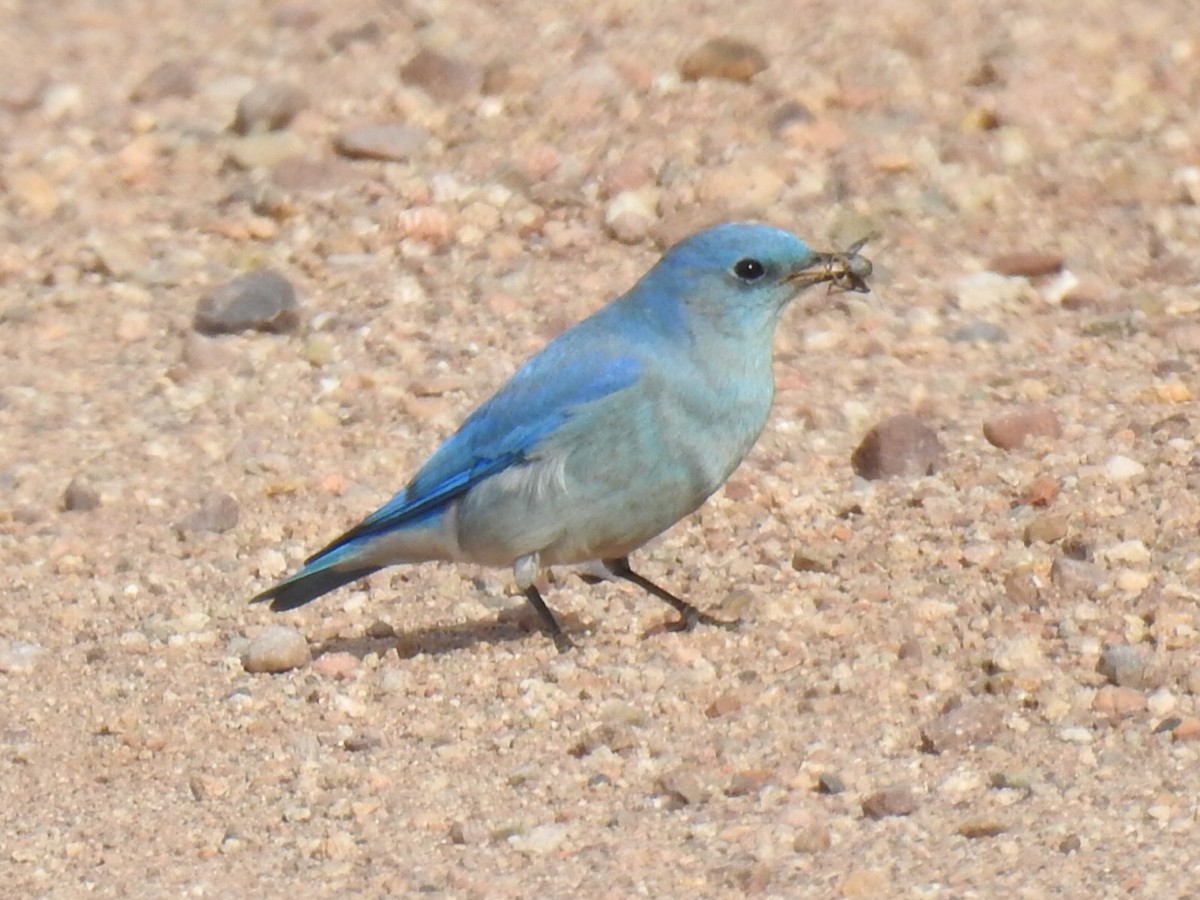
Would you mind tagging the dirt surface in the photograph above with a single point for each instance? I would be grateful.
(978, 677)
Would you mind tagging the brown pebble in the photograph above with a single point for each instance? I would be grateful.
(1046, 529)
(723, 57)
(973, 723)
(866, 883)
(1188, 729)
(896, 800)
(1027, 263)
(748, 781)
(1010, 431)
(1042, 491)
(1023, 588)
(902, 445)
(442, 77)
(811, 836)
(729, 702)
(981, 828)
(1118, 702)
(1070, 844)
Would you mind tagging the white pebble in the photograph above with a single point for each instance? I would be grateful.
(1122, 468)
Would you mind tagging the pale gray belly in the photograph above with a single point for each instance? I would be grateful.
(611, 479)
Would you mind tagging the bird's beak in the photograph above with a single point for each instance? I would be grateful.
(846, 270)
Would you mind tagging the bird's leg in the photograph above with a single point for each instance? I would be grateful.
(690, 616)
(525, 570)
(561, 641)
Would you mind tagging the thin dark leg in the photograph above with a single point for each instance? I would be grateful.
(690, 616)
(561, 641)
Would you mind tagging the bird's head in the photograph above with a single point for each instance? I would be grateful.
(739, 277)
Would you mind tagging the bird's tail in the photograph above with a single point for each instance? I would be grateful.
(320, 575)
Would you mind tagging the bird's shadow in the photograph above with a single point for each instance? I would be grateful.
(436, 640)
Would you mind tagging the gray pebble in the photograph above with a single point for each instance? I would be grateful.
(171, 79)
(896, 800)
(392, 141)
(80, 496)
(973, 723)
(1076, 577)
(1123, 665)
(217, 513)
(279, 648)
(257, 301)
(979, 332)
(269, 106)
(442, 77)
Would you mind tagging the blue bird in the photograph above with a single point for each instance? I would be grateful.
(617, 429)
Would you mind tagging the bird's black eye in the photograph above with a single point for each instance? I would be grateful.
(749, 269)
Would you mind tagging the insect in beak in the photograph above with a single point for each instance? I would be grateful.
(845, 270)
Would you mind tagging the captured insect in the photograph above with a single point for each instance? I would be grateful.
(845, 270)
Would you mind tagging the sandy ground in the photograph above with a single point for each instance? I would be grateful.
(981, 682)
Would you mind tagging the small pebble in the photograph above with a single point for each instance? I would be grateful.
(828, 783)
(267, 150)
(1010, 431)
(391, 141)
(80, 496)
(1041, 491)
(896, 800)
(257, 301)
(979, 332)
(974, 723)
(369, 32)
(973, 829)
(683, 787)
(1118, 702)
(269, 106)
(217, 514)
(987, 292)
(170, 79)
(19, 657)
(1075, 577)
(1048, 529)
(901, 446)
(1124, 665)
(1162, 703)
(540, 840)
(335, 665)
(1076, 735)
(279, 648)
(629, 217)
(1122, 468)
(442, 77)
(1188, 729)
(723, 57)
(1027, 263)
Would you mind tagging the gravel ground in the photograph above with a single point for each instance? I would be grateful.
(974, 678)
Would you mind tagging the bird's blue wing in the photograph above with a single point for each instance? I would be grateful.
(538, 399)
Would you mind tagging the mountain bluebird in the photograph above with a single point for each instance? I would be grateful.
(611, 434)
